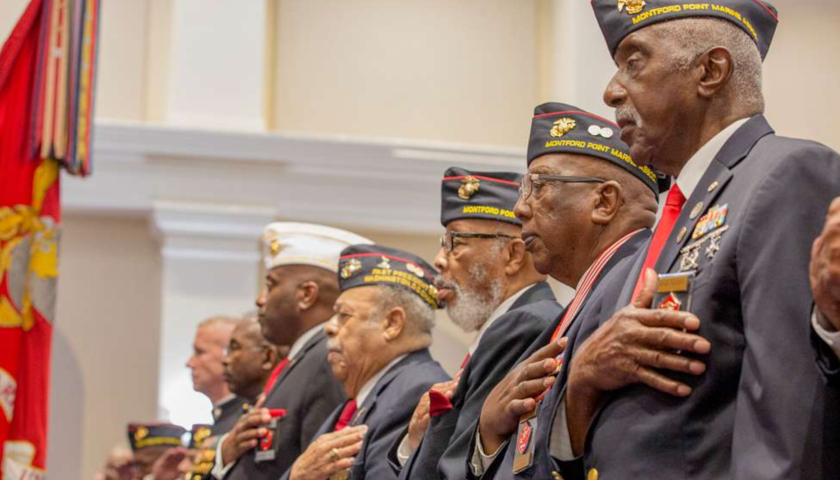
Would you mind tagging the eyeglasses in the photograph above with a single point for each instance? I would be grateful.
(528, 181)
(447, 241)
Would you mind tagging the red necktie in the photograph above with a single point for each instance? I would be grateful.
(346, 415)
(276, 373)
(673, 206)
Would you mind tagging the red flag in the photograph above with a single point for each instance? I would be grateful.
(29, 219)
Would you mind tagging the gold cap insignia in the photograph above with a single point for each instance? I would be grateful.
(633, 6)
(141, 433)
(415, 270)
(275, 247)
(350, 268)
(562, 127)
(384, 264)
(469, 187)
(201, 435)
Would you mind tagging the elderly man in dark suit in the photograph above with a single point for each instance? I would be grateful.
(294, 306)
(490, 285)
(825, 283)
(378, 344)
(707, 372)
(586, 209)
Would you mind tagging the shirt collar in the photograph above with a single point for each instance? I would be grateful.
(364, 392)
(301, 341)
(697, 165)
(498, 312)
(221, 403)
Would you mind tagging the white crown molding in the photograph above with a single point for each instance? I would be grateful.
(389, 185)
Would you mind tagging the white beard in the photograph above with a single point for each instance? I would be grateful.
(474, 308)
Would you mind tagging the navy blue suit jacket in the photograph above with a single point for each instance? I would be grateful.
(386, 412)
(447, 441)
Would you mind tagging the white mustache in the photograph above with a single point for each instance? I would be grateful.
(626, 113)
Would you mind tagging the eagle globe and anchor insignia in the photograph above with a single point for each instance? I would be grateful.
(469, 186)
(633, 6)
(562, 127)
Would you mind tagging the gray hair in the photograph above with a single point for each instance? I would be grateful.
(696, 36)
(420, 317)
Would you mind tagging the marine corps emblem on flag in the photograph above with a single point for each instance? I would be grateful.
(633, 6)
(562, 127)
(469, 187)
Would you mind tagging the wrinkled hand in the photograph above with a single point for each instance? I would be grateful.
(328, 454)
(825, 267)
(517, 395)
(169, 465)
(421, 418)
(627, 350)
(246, 434)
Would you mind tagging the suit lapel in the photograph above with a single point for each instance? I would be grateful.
(367, 407)
(717, 175)
(711, 185)
(539, 291)
(293, 363)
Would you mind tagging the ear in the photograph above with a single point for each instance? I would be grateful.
(609, 196)
(269, 360)
(517, 257)
(394, 324)
(307, 295)
(716, 69)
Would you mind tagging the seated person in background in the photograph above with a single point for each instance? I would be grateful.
(378, 343)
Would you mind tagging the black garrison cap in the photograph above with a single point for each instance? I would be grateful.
(561, 128)
(142, 436)
(481, 195)
(362, 265)
(619, 18)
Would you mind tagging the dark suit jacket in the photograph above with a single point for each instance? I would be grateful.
(604, 292)
(827, 361)
(228, 413)
(309, 392)
(446, 443)
(761, 409)
(386, 412)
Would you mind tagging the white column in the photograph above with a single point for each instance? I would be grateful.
(210, 267)
(207, 64)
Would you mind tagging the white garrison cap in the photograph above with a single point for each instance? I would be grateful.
(287, 243)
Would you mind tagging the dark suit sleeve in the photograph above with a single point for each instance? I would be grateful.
(827, 361)
(390, 427)
(780, 399)
(323, 393)
(512, 339)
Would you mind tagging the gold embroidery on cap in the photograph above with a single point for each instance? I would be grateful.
(469, 187)
(562, 127)
(350, 268)
(633, 6)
